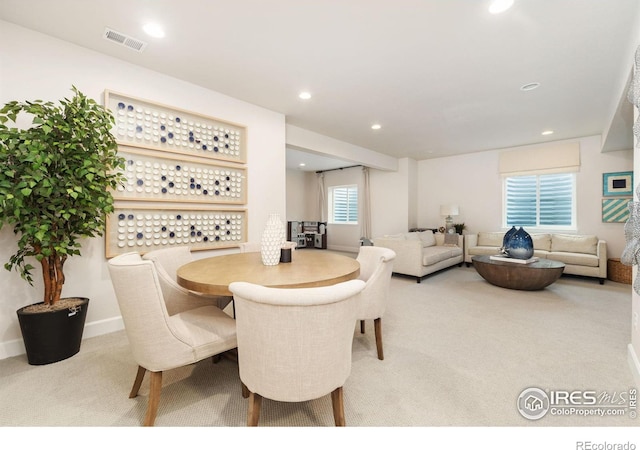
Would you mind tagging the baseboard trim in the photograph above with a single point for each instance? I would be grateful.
(101, 327)
(634, 364)
(93, 329)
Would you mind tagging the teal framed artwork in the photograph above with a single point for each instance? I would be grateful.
(615, 210)
(617, 184)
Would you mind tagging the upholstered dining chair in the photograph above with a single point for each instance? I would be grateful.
(178, 299)
(160, 341)
(376, 265)
(295, 345)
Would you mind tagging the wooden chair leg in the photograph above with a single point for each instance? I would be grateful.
(137, 382)
(154, 399)
(362, 326)
(255, 402)
(378, 328)
(337, 400)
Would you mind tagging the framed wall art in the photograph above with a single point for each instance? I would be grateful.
(159, 176)
(617, 184)
(142, 123)
(615, 210)
(143, 228)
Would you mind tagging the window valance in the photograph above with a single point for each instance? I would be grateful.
(553, 158)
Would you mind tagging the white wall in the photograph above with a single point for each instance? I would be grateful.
(412, 186)
(474, 183)
(470, 181)
(302, 196)
(296, 195)
(393, 206)
(37, 66)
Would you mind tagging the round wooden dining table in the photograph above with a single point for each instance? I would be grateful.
(308, 268)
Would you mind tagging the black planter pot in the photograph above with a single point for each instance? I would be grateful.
(52, 336)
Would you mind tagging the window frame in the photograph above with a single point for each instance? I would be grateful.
(349, 188)
(538, 227)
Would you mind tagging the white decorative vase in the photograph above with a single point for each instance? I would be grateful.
(273, 238)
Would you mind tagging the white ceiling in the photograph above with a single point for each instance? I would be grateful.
(442, 77)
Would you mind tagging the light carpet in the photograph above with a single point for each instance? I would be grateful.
(458, 352)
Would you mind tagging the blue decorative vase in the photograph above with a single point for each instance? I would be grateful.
(506, 238)
(520, 245)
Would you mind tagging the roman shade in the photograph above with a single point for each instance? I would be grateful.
(554, 158)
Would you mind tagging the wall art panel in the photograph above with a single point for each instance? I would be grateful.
(615, 210)
(142, 123)
(617, 184)
(155, 176)
(142, 229)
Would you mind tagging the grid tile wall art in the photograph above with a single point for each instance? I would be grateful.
(143, 229)
(141, 123)
(154, 176)
(185, 179)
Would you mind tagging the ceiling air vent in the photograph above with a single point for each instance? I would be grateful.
(123, 39)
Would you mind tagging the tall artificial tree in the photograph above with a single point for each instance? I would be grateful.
(56, 179)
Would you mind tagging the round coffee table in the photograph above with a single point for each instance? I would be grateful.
(513, 275)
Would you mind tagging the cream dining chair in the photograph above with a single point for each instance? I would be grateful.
(178, 299)
(160, 341)
(295, 345)
(376, 266)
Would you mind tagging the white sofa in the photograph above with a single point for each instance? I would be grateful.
(421, 253)
(584, 255)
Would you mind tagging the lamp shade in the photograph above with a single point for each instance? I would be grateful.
(449, 210)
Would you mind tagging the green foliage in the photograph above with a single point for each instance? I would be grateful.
(56, 179)
(459, 227)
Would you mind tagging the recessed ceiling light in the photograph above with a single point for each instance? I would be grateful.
(305, 95)
(376, 126)
(499, 6)
(530, 86)
(301, 165)
(547, 132)
(154, 30)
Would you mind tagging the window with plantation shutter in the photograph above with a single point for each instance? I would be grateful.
(343, 204)
(541, 201)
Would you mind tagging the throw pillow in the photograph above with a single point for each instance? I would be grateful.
(427, 238)
(451, 239)
(574, 243)
(541, 241)
(490, 239)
